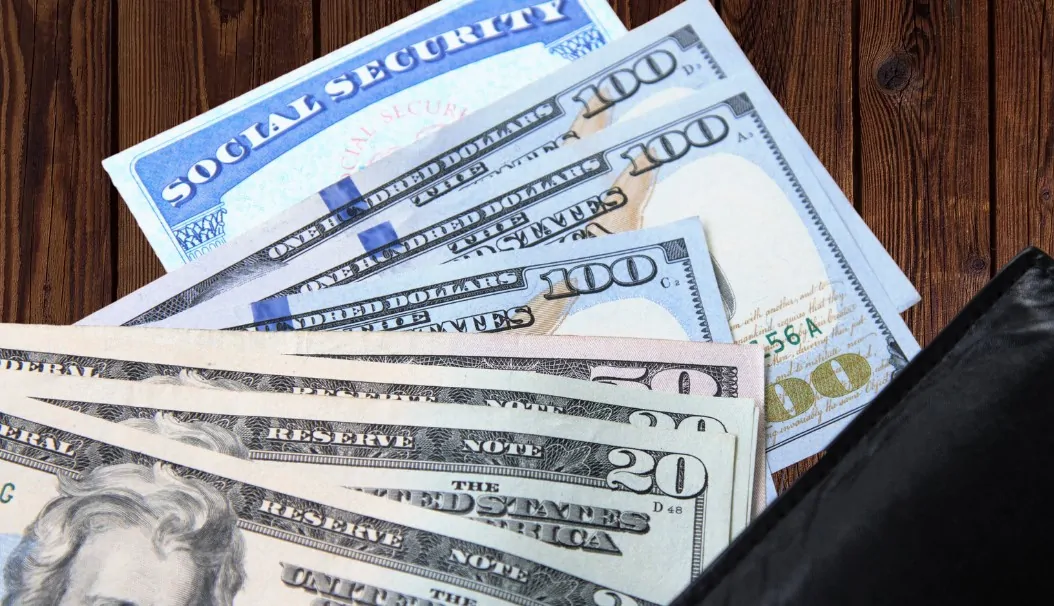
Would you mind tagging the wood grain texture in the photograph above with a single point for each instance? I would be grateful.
(55, 129)
(179, 58)
(1023, 133)
(342, 22)
(810, 72)
(935, 117)
(17, 39)
(924, 122)
(634, 12)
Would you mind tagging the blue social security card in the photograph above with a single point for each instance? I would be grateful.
(199, 184)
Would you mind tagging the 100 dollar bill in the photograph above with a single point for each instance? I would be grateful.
(336, 210)
(214, 177)
(625, 497)
(177, 358)
(687, 48)
(790, 276)
(662, 278)
(134, 517)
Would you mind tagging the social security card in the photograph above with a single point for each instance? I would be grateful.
(207, 180)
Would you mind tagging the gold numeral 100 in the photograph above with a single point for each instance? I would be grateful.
(837, 377)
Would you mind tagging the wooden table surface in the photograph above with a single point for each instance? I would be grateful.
(935, 117)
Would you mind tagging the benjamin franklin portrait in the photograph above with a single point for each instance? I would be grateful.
(132, 535)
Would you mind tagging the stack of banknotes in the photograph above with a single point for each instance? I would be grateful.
(500, 304)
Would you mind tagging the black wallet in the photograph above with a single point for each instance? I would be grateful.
(937, 492)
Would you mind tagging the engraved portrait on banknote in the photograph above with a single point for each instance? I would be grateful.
(128, 534)
(132, 534)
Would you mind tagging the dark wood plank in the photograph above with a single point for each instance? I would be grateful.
(179, 58)
(341, 22)
(924, 120)
(17, 38)
(54, 131)
(809, 70)
(638, 12)
(1023, 91)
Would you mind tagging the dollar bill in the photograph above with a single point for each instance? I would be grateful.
(93, 512)
(660, 277)
(640, 364)
(684, 367)
(832, 338)
(692, 49)
(214, 177)
(684, 49)
(604, 480)
(207, 360)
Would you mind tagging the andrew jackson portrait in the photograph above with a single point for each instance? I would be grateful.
(130, 535)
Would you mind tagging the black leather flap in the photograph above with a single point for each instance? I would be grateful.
(937, 493)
